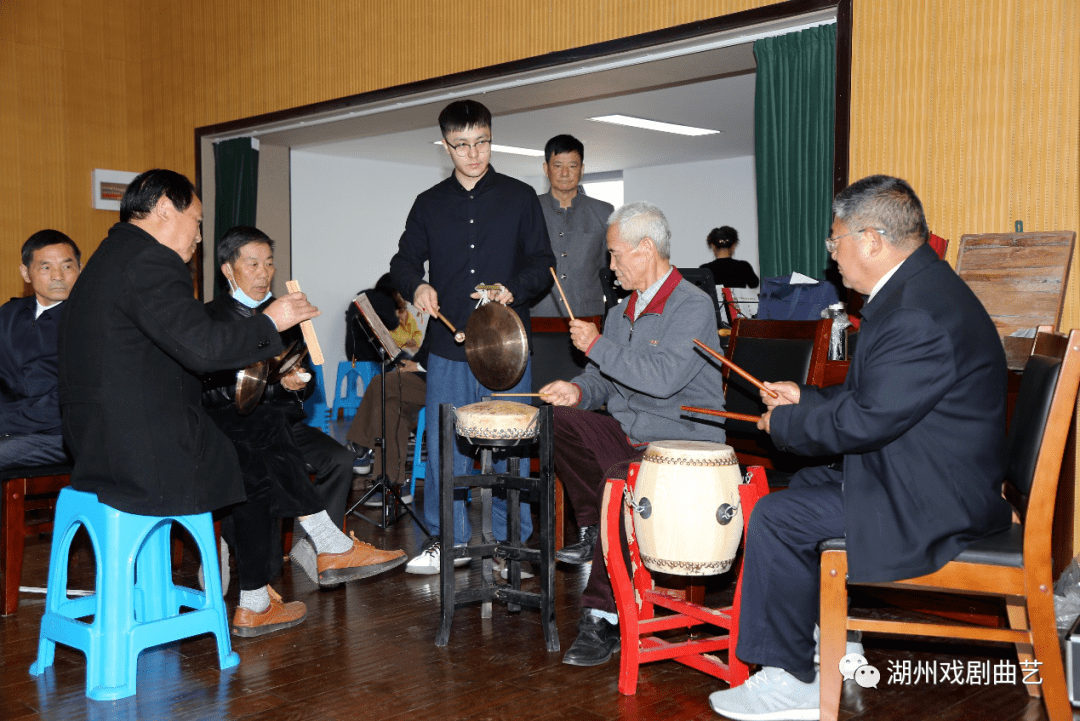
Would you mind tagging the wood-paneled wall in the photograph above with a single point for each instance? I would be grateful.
(976, 102)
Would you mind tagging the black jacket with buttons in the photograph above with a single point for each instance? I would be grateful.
(494, 233)
(132, 340)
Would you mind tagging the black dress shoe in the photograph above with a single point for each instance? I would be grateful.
(597, 640)
(582, 551)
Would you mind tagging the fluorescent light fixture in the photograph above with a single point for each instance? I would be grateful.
(510, 149)
(654, 125)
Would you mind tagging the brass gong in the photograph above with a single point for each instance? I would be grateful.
(496, 346)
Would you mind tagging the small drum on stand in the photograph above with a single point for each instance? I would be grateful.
(687, 515)
(497, 423)
(510, 428)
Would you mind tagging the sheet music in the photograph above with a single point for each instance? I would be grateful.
(367, 312)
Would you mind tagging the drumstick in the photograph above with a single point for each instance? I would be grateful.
(507, 395)
(723, 359)
(722, 414)
(559, 286)
(314, 350)
(458, 337)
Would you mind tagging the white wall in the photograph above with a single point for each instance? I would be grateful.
(348, 214)
(697, 197)
(347, 217)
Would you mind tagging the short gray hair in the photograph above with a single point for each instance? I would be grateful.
(640, 220)
(886, 203)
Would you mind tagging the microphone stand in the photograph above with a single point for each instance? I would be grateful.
(391, 496)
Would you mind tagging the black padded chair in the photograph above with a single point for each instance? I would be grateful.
(1015, 565)
(771, 350)
(702, 278)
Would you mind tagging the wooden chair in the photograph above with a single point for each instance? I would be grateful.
(26, 490)
(1015, 565)
(770, 350)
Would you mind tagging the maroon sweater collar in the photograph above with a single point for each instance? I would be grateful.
(656, 305)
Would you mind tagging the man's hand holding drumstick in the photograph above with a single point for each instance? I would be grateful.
(560, 393)
(787, 393)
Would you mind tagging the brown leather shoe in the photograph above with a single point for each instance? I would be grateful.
(361, 561)
(277, 616)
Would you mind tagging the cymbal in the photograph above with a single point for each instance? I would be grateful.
(250, 384)
(284, 362)
(496, 346)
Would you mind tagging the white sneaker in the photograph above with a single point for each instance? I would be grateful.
(771, 694)
(854, 644)
(426, 563)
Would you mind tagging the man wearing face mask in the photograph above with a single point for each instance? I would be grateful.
(273, 442)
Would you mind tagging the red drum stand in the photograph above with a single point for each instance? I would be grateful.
(637, 598)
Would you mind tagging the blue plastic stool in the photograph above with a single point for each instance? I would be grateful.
(318, 414)
(129, 615)
(419, 467)
(347, 392)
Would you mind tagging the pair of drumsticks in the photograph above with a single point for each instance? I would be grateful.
(754, 381)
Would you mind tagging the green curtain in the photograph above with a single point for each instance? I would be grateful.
(794, 116)
(236, 168)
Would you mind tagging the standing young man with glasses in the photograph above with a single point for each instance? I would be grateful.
(476, 227)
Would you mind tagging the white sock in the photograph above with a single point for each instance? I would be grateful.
(257, 600)
(326, 537)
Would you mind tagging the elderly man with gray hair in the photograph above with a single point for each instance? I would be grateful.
(643, 368)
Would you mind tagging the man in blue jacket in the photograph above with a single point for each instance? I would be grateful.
(30, 433)
(920, 423)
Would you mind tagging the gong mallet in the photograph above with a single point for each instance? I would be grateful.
(559, 286)
(722, 414)
(314, 349)
(723, 359)
(458, 336)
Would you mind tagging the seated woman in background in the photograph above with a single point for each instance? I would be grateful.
(405, 390)
(727, 271)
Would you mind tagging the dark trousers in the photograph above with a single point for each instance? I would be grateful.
(589, 449)
(781, 584)
(333, 465)
(405, 393)
(276, 484)
(32, 449)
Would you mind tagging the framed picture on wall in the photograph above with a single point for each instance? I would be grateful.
(107, 188)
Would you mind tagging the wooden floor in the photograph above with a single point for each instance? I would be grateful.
(368, 651)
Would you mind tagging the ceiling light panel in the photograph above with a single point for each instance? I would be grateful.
(645, 124)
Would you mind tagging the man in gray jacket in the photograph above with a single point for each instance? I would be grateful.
(644, 367)
(576, 225)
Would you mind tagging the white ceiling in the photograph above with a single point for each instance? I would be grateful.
(725, 104)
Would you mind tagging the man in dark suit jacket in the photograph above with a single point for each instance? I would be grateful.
(131, 341)
(29, 409)
(920, 422)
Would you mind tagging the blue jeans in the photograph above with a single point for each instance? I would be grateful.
(453, 382)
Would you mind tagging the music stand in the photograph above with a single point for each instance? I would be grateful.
(389, 356)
